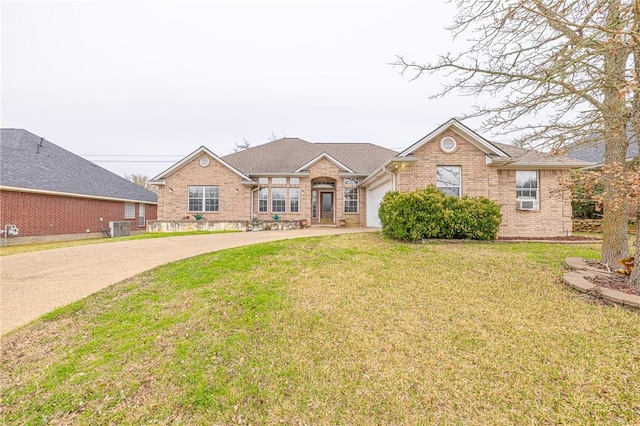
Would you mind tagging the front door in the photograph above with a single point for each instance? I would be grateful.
(326, 207)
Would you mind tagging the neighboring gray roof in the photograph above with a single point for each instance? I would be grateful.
(594, 151)
(30, 162)
(289, 154)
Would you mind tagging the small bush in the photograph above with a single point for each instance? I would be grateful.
(428, 213)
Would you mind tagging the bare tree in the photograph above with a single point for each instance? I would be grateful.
(275, 137)
(570, 61)
(141, 180)
(245, 144)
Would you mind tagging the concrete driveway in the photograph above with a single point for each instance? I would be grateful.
(32, 284)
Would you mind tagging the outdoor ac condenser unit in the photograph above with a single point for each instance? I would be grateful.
(526, 205)
(120, 229)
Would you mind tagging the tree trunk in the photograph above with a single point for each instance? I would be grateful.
(634, 279)
(615, 239)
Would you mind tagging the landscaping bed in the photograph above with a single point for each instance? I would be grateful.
(610, 279)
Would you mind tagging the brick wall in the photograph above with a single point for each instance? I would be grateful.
(552, 220)
(44, 214)
(173, 197)
(479, 179)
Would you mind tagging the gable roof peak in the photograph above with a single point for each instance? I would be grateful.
(470, 135)
(159, 179)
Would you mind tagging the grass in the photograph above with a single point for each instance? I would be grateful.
(351, 329)
(26, 248)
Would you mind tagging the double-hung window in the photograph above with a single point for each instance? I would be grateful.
(350, 195)
(448, 180)
(527, 189)
(204, 198)
(294, 200)
(278, 200)
(141, 215)
(263, 201)
(351, 200)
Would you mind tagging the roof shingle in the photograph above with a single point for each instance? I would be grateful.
(289, 154)
(31, 162)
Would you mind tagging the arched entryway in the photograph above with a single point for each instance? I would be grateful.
(323, 200)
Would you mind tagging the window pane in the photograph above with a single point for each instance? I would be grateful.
(262, 200)
(141, 215)
(195, 192)
(454, 192)
(263, 181)
(351, 181)
(129, 211)
(314, 204)
(279, 181)
(351, 200)
(195, 204)
(294, 181)
(527, 184)
(294, 197)
(278, 200)
(448, 179)
(211, 191)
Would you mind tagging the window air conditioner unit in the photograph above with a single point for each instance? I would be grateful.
(526, 205)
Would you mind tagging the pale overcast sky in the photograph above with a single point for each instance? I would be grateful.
(147, 81)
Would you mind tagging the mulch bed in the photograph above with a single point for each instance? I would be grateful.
(613, 280)
(569, 238)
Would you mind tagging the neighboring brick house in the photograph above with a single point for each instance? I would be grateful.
(48, 191)
(324, 183)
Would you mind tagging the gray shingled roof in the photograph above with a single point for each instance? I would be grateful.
(529, 157)
(289, 154)
(594, 152)
(31, 162)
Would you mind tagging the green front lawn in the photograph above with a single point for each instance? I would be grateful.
(350, 329)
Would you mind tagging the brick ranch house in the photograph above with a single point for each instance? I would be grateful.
(50, 193)
(326, 183)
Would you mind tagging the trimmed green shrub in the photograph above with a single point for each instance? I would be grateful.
(429, 213)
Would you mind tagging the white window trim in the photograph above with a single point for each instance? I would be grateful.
(204, 193)
(344, 200)
(535, 199)
(448, 151)
(285, 200)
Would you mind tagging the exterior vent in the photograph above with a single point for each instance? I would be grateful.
(120, 229)
(526, 205)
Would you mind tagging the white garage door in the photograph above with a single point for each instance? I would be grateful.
(374, 197)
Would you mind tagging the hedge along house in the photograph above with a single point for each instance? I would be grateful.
(49, 193)
(327, 183)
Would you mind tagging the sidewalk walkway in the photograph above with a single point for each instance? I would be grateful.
(32, 284)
